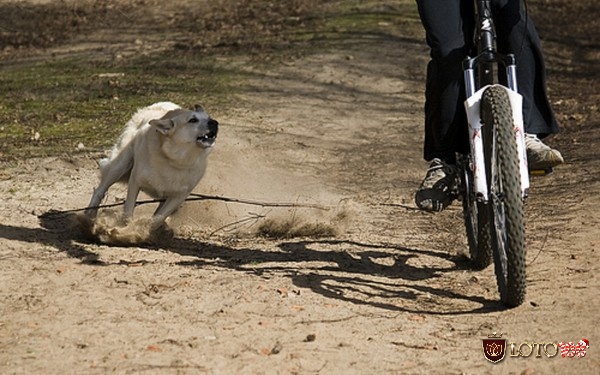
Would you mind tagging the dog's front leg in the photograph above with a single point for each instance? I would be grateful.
(166, 208)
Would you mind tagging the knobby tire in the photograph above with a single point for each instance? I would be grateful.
(505, 207)
(476, 220)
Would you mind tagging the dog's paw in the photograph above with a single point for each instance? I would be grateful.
(137, 232)
(160, 234)
(86, 226)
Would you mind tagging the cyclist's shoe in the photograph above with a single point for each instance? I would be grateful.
(540, 157)
(439, 188)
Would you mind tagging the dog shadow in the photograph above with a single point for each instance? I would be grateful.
(55, 231)
(377, 275)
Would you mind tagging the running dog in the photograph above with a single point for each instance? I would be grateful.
(163, 152)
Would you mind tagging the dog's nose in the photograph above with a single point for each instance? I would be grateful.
(213, 125)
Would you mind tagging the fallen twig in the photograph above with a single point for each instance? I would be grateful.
(257, 203)
(254, 217)
(193, 197)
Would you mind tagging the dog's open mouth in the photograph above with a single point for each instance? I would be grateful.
(207, 140)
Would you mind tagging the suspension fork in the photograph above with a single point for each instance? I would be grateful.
(484, 59)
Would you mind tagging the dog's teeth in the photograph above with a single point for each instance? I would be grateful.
(207, 137)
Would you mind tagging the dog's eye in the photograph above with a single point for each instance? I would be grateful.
(193, 119)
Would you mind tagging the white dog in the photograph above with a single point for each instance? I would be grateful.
(163, 151)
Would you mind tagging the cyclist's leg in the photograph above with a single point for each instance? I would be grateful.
(517, 34)
(448, 27)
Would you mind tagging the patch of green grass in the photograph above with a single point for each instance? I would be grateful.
(50, 108)
(373, 19)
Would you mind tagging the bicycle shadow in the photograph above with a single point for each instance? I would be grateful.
(379, 275)
(364, 281)
(350, 272)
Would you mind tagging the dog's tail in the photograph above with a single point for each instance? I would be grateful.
(144, 115)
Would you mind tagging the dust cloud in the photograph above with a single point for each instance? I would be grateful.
(275, 203)
(241, 195)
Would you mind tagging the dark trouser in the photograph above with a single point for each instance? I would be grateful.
(449, 27)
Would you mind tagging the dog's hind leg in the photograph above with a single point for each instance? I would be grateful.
(97, 196)
(111, 172)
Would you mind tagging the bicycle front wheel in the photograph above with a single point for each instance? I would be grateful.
(476, 220)
(505, 204)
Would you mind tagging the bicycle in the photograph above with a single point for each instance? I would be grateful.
(494, 179)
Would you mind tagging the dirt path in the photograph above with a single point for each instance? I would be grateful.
(391, 292)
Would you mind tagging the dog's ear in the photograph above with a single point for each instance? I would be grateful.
(198, 108)
(163, 126)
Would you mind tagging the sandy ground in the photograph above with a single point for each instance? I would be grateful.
(389, 292)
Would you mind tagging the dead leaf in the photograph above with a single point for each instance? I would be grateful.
(417, 318)
(528, 371)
